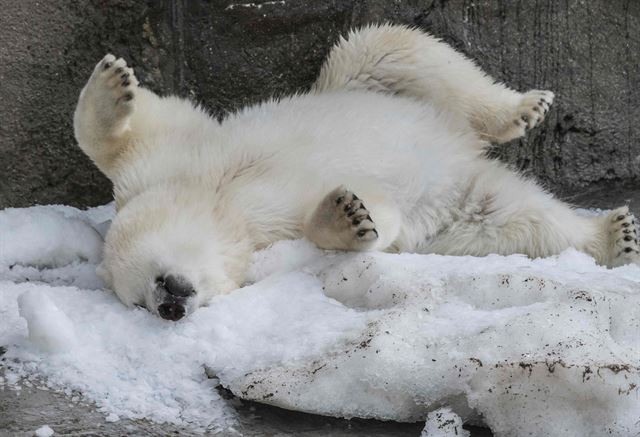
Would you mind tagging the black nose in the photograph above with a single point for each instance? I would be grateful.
(171, 311)
(176, 285)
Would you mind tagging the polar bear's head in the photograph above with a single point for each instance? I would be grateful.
(171, 255)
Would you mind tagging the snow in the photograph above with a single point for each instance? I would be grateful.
(44, 431)
(528, 347)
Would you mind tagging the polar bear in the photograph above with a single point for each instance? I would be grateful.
(385, 152)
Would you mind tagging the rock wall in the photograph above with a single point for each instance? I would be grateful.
(226, 54)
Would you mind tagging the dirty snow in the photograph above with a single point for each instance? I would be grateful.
(528, 347)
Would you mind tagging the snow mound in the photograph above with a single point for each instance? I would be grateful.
(533, 347)
(59, 245)
(45, 237)
(528, 347)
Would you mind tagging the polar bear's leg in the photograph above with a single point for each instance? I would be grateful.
(404, 61)
(101, 119)
(344, 221)
(530, 221)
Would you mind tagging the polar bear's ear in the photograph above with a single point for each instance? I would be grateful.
(104, 274)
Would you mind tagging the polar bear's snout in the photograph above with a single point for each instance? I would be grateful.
(174, 292)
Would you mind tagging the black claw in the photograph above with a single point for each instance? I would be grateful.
(625, 225)
(119, 70)
(362, 233)
(339, 200)
(626, 231)
(124, 76)
(628, 249)
(127, 97)
(356, 221)
(628, 238)
(535, 108)
(376, 232)
(355, 197)
(525, 118)
(126, 82)
(369, 218)
(620, 217)
(107, 65)
(350, 213)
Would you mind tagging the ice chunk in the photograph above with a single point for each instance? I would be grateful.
(444, 422)
(49, 328)
(44, 431)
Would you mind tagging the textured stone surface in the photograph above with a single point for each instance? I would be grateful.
(227, 55)
(26, 411)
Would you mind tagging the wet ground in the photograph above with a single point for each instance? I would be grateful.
(21, 413)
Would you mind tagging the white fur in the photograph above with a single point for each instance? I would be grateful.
(398, 117)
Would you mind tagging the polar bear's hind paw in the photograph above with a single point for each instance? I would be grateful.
(623, 237)
(532, 109)
(526, 113)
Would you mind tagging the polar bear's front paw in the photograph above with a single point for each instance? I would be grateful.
(111, 92)
(623, 238)
(117, 81)
(341, 221)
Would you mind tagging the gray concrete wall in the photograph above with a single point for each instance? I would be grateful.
(224, 56)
